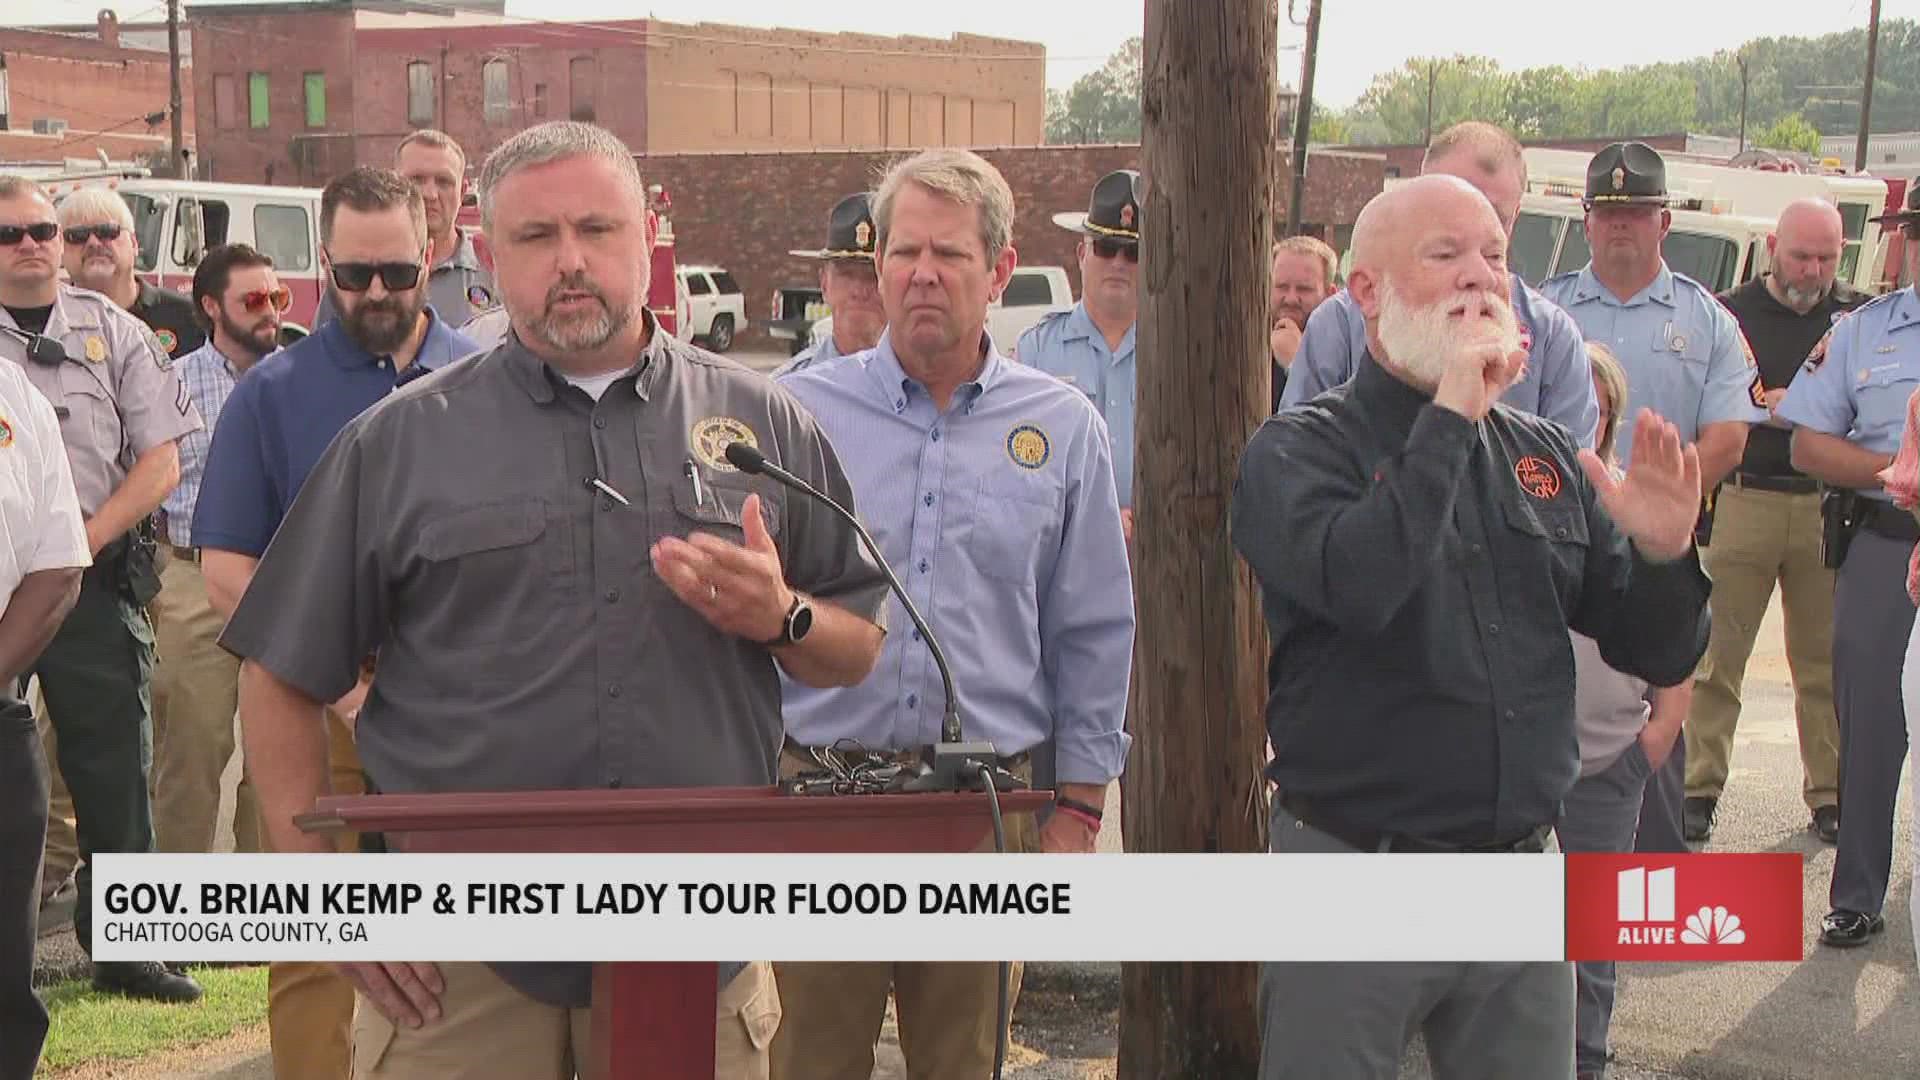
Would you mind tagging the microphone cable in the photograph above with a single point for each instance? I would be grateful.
(1003, 1014)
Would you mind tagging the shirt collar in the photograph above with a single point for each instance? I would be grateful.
(1385, 397)
(210, 351)
(1659, 290)
(438, 347)
(541, 382)
(900, 388)
(1080, 324)
(463, 257)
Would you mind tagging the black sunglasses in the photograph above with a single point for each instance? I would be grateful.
(42, 232)
(1111, 249)
(78, 235)
(358, 277)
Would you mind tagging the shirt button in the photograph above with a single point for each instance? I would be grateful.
(913, 701)
(923, 566)
(605, 505)
(936, 434)
(1493, 628)
(600, 421)
(613, 596)
(929, 498)
(916, 635)
(614, 783)
(1560, 531)
(1475, 549)
(1510, 715)
(614, 690)
(899, 405)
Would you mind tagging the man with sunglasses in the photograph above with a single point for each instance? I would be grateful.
(1090, 347)
(849, 284)
(1848, 408)
(273, 429)
(196, 688)
(459, 287)
(101, 248)
(121, 411)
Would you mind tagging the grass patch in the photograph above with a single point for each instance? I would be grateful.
(90, 1026)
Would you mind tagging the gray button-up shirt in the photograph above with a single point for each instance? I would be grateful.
(524, 639)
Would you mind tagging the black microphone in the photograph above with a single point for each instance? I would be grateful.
(41, 349)
(953, 753)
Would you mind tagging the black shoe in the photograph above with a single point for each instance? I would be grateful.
(1845, 929)
(145, 979)
(1826, 823)
(1698, 817)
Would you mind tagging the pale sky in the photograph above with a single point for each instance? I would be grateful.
(1358, 38)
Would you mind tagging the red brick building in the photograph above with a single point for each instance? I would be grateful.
(721, 215)
(70, 95)
(297, 93)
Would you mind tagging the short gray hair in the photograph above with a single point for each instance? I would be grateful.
(93, 202)
(553, 141)
(15, 186)
(960, 175)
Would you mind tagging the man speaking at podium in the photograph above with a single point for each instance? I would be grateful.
(566, 586)
(990, 486)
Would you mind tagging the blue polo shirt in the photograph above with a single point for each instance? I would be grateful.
(279, 420)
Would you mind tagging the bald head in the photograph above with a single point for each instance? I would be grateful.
(1395, 222)
(1805, 245)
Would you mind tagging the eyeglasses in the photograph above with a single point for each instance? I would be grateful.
(1109, 249)
(256, 301)
(78, 235)
(358, 277)
(42, 232)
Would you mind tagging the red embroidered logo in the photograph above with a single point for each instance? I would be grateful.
(1537, 477)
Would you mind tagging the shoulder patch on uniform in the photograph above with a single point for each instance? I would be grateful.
(1537, 477)
(479, 297)
(6, 433)
(1757, 393)
(710, 438)
(1818, 354)
(169, 340)
(1029, 446)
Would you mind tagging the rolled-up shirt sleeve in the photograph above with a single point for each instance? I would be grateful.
(1087, 620)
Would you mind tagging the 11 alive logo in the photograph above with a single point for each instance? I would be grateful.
(1684, 907)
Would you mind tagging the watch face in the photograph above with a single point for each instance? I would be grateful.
(799, 622)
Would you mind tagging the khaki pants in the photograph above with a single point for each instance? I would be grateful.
(196, 690)
(1760, 537)
(948, 1011)
(310, 1004)
(488, 1029)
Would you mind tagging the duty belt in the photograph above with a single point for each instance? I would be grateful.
(1788, 485)
(1885, 519)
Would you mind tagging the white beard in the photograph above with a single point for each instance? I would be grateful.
(1421, 341)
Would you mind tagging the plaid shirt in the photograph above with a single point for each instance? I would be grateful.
(208, 377)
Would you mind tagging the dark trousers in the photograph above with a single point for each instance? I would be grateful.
(1872, 618)
(1662, 828)
(95, 676)
(23, 829)
(1599, 815)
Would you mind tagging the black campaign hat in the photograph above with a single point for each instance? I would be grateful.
(1627, 173)
(1903, 217)
(1114, 211)
(850, 230)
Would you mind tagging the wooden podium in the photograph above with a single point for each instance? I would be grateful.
(657, 1019)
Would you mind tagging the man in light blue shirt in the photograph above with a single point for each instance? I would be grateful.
(990, 488)
(849, 285)
(1848, 412)
(1558, 382)
(1090, 346)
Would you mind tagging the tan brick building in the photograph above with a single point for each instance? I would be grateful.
(71, 94)
(296, 93)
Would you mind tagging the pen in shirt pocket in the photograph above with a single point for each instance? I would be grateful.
(693, 478)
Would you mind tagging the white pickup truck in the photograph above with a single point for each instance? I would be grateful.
(712, 309)
(1034, 293)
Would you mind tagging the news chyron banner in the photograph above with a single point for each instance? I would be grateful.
(1134, 907)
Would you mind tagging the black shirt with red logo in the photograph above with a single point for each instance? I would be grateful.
(1781, 339)
(1420, 573)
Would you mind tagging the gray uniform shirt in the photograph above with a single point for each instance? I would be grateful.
(116, 395)
(524, 640)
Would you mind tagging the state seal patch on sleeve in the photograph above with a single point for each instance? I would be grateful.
(6, 433)
(1028, 446)
(710, 438)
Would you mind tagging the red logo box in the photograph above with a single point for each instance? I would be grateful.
(1684, 907)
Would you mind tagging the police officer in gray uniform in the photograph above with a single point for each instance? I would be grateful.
(121, 410)
(849, 283)
(1848, 409)
(1684, 357)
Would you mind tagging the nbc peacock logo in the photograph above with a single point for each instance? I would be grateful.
(1713, 926)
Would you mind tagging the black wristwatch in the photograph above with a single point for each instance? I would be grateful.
(798, 623)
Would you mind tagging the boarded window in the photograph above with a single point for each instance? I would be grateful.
(539, 101)
(226, 102)
(420, 103)
(493, 90)
(257, 115)
(316, 86)
(583, 84)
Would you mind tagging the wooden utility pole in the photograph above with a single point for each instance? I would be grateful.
(1195, 785)
(1303, 120)
(177, 132)
(1866, 89)
(1740, 58)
